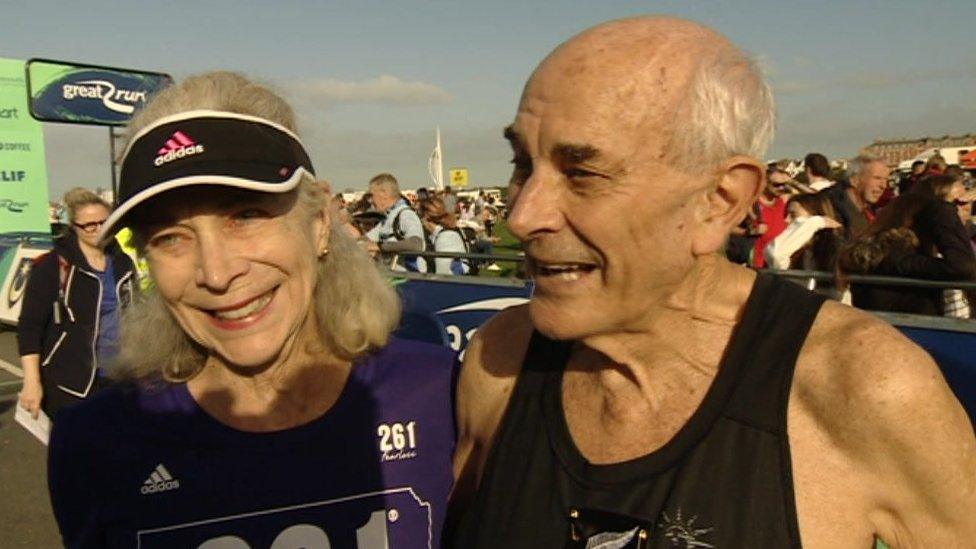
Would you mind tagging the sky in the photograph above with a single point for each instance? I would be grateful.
(370, 81)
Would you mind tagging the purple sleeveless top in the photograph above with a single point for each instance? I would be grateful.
(149, 468)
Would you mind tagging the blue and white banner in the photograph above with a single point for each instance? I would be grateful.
(89, 94)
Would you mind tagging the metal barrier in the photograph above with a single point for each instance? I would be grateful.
(878, 280)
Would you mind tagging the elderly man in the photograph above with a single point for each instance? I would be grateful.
(855, 201)
(652, 394)
(401, 229)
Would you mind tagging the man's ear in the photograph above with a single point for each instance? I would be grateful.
(740, 180)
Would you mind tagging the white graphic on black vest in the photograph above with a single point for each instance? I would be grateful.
(612, 540)
(682, 534)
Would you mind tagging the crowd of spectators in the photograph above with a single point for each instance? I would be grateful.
(394, 226)
(864, 221)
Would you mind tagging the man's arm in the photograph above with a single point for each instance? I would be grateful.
(492, 362)
(40, 297)
(412, 231)
(913, 439)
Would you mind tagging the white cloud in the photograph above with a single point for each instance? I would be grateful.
(383, 90)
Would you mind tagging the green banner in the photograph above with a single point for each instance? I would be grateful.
(23, 173)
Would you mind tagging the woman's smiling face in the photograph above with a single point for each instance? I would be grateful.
(236, 268)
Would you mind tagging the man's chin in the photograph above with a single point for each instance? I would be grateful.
(559, 322)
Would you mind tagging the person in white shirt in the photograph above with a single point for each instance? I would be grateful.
(809, 214)
(400, 231)
(442, 226)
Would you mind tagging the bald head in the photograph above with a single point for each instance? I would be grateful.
(679, 84)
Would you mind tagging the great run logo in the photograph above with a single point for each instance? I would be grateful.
(10, 114)
(117, 100)
(12, 205)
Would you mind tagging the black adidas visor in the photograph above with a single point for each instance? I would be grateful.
(207, 148)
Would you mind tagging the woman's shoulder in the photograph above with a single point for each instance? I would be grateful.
(416, 349)
(125, 404)
(408, 355)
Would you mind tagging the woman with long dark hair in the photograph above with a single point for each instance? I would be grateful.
(811, 239)
(919, 235)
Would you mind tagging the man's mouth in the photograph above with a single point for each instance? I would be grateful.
(243, 310)
(564, 271)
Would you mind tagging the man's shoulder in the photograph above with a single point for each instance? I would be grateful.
(500, 344)
(864, 375)
(881, 405)
(492, 362)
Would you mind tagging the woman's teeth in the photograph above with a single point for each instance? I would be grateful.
(248, 309)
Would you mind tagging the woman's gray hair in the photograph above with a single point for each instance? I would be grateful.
(729, 110)
(354, 304)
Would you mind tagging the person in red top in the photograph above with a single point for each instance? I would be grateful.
(772, 213)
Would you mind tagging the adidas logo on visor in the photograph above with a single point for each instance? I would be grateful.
(178, 146)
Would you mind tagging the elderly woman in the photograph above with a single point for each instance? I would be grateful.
(68, 325)
(271, 407)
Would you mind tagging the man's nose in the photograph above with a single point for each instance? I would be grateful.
(536, 206)
(219, 263)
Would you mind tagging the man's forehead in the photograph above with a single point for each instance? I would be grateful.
(616, 82)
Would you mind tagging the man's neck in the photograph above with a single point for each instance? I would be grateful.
(855, 195)
(686, 333)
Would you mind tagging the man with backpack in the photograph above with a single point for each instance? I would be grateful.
(401, 231)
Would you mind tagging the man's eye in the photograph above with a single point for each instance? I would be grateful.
(579, 173)
(521, 169)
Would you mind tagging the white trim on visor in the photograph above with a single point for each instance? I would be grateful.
(191, 180)
(206, 114)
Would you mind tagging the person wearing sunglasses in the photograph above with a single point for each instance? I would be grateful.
(69, 321)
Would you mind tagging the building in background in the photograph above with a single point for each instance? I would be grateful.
(897, 151)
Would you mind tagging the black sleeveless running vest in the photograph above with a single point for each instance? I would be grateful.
(724, 480)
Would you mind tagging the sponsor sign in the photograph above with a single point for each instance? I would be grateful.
(89, 94)
(459, 177)
(23, 172)
(462, 307)
(15, 282)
